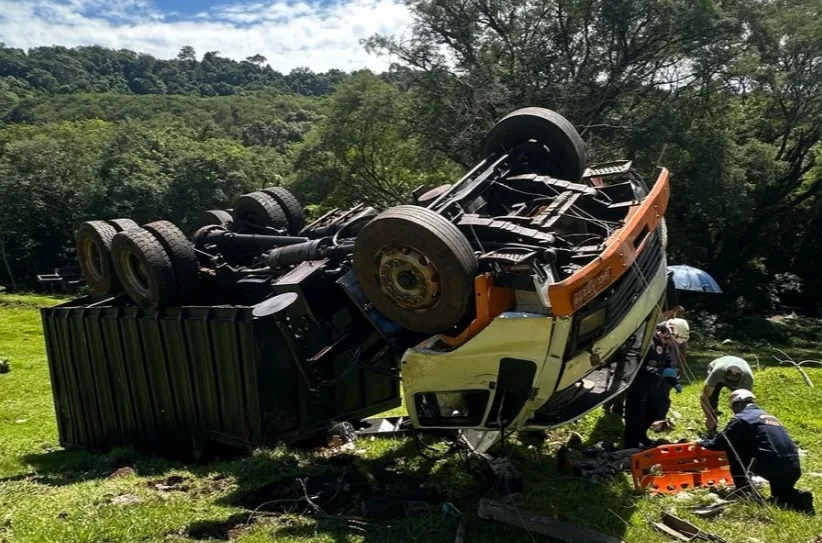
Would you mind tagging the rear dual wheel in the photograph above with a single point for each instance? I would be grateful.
(273, 207)
(156, 264)
(93, 243)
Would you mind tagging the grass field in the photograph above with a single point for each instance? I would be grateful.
(50, 494)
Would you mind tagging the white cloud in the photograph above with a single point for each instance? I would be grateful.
(288, 34)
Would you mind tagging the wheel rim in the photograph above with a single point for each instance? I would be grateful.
(136, 277)
(94, 258)
(407, 277)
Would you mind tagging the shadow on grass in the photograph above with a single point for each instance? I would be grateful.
(399, 494)
(69, 466)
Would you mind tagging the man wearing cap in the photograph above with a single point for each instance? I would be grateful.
(649, 396)
(757, 441)
(729, 372)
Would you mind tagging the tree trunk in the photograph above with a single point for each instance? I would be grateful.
(4, 256)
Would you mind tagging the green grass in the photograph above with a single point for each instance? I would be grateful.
(49, 494)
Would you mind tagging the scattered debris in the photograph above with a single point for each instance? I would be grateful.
(602, 467)
(5, 365)
(386, 427)
(670, 532)
(173, 482)
(727, 341)
(344, 432)
(126, 499)
(688, 530)
(21, 421)
(63, 514)
(123, 472)
(556, 529)
(712, 510)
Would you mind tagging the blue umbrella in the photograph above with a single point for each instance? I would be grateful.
(690, 278)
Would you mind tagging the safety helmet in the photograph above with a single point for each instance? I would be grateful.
(740, 395)
(679, 329)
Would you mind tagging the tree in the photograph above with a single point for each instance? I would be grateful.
(187, 54)
(366, 134)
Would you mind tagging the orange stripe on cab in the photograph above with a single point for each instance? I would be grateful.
(574, 292)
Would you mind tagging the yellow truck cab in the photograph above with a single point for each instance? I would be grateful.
(538, 366)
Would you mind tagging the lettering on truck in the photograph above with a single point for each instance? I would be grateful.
(590, 289)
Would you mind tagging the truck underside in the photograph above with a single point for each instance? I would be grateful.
(522, 296)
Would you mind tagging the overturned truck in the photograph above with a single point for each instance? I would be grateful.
(520, 297)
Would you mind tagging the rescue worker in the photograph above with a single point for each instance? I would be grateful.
(649, 396)
(617, 404)
(729, 372)
(756, 440)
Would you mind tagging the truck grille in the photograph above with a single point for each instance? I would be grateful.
(627, 289)
(617, 300)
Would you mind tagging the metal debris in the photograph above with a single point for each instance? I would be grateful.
(556, 529)
(690, 531)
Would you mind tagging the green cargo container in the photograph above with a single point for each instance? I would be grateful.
(173, 380)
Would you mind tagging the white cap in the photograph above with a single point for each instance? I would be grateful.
(679, 328)
(740, 395)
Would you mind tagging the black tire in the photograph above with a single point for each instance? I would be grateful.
(258, 209)
(548, 128)
(94, 257)
(181, 251)
(122, 224)
(215, 216)
(444, 249)
(144, 268)
(293, 209)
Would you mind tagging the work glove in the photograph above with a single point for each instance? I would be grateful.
(669, 374)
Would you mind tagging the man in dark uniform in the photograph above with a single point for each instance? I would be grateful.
(757, 441)
(649, 396)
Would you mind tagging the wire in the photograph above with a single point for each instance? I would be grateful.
(558, 192)
(354, 363)
(590, 218)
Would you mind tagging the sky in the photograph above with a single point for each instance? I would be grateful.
(318, 34)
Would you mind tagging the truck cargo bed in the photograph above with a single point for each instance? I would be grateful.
(173, 380)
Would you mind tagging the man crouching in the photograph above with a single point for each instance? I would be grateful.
(756, 440)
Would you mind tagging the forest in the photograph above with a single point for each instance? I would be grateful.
(727, 94)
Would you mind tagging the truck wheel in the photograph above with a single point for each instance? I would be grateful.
(123, 224)
(144, 268)
(566, 150)
(94, 257)
(181, 251)
(417, 268)
(215, 216)
(258, 209)
(292, 207)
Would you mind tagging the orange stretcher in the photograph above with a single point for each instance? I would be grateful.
(670, 469)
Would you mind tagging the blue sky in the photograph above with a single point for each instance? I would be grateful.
(319, 34)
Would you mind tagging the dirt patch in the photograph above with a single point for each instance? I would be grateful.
(224, 530)
(344, 491)
(123, 473)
